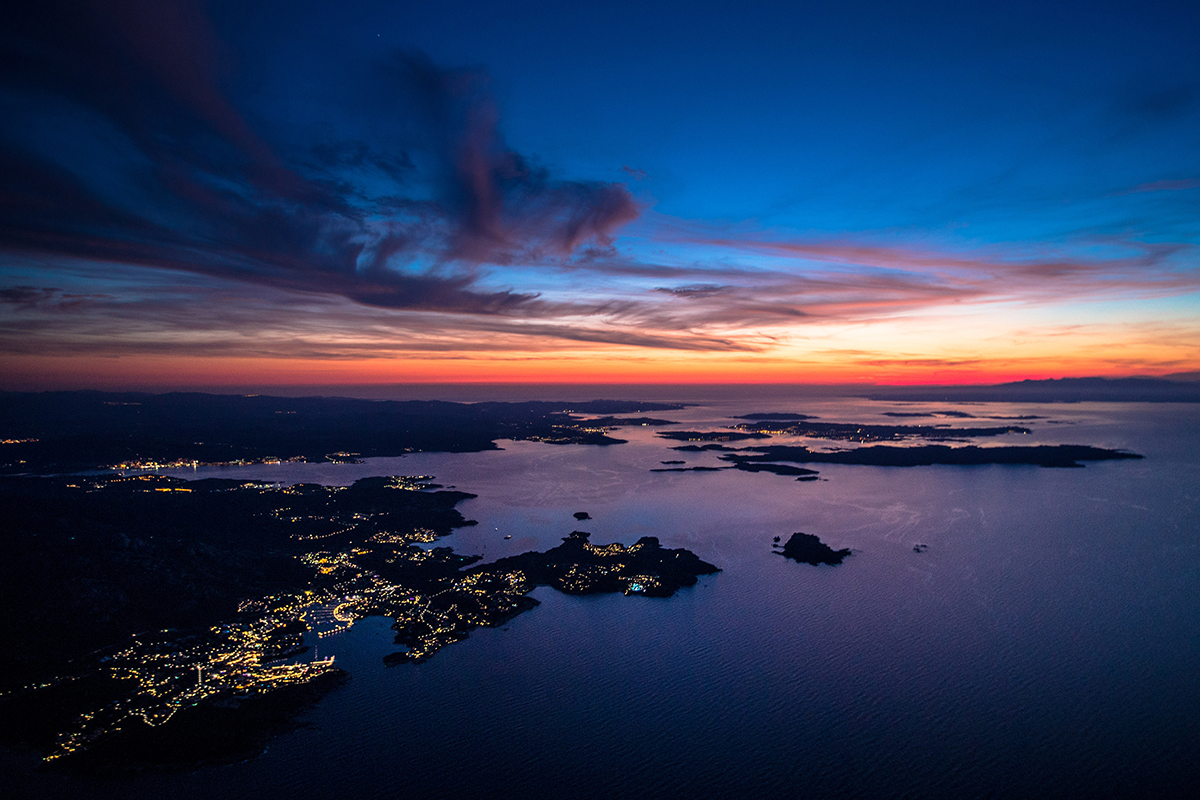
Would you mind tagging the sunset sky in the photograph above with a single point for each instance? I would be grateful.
(303, 193)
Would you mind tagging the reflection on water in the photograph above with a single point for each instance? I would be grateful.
(1042, 645)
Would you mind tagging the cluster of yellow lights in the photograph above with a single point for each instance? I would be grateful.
(230, 661)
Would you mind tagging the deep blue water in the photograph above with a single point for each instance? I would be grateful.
(1045, 645)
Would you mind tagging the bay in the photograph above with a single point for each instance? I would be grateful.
(1043, 645)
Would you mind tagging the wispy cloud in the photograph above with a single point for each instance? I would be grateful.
(1163, 186)
(47, 298)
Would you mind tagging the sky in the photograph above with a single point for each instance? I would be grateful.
(304, 194)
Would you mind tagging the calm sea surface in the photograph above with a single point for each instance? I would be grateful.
(1046, 644)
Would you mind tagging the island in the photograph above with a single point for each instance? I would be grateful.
(808, 549)
(768, 458)
(1063, 455)
(689, 469)
(712, 436)
(862, 432)
(701, 448)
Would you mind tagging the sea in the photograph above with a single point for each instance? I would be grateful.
(1045, 642)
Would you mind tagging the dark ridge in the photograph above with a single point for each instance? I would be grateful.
(1055, 390)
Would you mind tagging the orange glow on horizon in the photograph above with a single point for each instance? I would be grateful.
(162, 373)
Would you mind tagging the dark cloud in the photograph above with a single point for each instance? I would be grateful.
(46, 298)
(137, 83)
(693, 290)
(358, 155)
(502, 206)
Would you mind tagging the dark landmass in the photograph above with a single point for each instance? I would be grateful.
(207, 734)
(1057, 390)
(226, 580)
(73, 431)
(582, 515)
(447, 603)
(579, 567)
(711, 436)
(141, 602)
(955, 414)
(689, 469)
(625, 422)
(91, 560)
(673, 462)
(808, 549)
(701, 448)
(592, 406)
(857, 432)
(778, 469)
(765, 415)
(1064, 455)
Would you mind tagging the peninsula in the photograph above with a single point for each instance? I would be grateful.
(168, 621)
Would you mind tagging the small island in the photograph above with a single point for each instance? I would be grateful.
(808, 549)
(702, 448)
